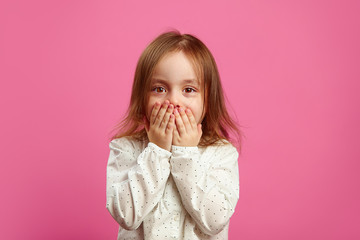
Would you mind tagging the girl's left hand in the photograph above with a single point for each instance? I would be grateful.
(187, 132)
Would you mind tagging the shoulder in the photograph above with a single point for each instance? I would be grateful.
(222, 144)
(116, 142)
(124, 143)
(222, 149)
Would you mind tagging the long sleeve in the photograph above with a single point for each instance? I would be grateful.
(135, 180)
(208, 184)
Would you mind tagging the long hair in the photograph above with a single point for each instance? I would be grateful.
(217, 123)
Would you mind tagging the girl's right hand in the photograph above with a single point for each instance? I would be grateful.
(161, 124)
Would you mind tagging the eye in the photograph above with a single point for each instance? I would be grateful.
(189, 90)
(158, 89)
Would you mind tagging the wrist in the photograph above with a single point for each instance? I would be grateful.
(185, 143)
(162, 146)
(159, 147)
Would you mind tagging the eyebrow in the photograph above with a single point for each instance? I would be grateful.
(190, 81)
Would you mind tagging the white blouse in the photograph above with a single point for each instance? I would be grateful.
(188, 193)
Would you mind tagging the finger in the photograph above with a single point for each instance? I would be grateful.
(160, 115)
(166, 118)
(176, 134)
(154, 112)
(179, 123)
(185, 119)
(191, 118)
(171, 124)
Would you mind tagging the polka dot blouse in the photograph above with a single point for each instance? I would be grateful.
(188, 193)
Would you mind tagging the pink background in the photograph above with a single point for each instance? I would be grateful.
(290, 70)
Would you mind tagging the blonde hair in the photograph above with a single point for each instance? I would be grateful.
(216, 124)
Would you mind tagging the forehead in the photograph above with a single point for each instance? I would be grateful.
(176, 67)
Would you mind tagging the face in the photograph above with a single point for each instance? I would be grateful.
(175, 80)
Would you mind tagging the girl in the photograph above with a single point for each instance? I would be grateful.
(172, 172)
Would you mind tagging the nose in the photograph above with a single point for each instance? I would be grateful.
(174, 99)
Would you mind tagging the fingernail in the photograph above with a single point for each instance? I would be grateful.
(188, 111)
(180, 109)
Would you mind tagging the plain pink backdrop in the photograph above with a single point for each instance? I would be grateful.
(290, 70)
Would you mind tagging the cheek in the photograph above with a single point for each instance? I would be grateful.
(149, 110)
(199, 111)
(150, 105)
(196, 111)
(147, 113)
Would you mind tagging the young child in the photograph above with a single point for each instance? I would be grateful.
(172, 172)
